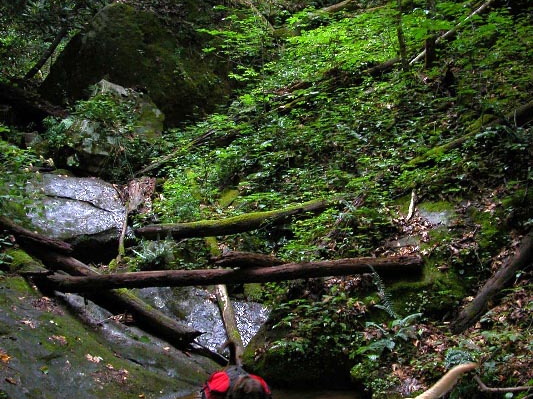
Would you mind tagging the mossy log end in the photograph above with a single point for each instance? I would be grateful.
(386, 267)
(231, 225)
(474, 310)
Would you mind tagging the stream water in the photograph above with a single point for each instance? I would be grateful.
(324, 394)
(295, 394)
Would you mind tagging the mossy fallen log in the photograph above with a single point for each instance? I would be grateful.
(121, 301)
(231, 225)
(24, 264)
(474, 310)
(386, 267)
(144, 315)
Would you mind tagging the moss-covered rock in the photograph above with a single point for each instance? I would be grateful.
(23, 263)
(134, 49)
(46, 352)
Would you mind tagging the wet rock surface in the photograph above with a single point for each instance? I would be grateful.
(45, 350)
(198, 309)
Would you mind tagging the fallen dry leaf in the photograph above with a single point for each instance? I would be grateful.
(4, 357)
(94, 359)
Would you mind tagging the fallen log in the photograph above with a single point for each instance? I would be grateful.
(229, 319)
(121, 301)
(494, 285)
(245, 260)
(27, 105)
(151, 319)
(28, 238)
(342, 6)
(231, 225)
(386, 267)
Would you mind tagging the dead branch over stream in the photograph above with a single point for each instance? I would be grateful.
(119, 301)
(31, 239)
(386, 267)
(122, 301)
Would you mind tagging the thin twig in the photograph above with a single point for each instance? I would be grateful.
(412, 206)
(484, 388)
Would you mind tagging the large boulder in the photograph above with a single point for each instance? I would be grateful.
(133, 48)
(86, 212)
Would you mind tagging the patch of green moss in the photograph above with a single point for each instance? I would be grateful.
(22, 262)
(438, 206)
(492, 234)
(253, 291)
(227, 197)
(18, 284)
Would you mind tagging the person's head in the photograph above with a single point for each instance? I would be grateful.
(247, 387)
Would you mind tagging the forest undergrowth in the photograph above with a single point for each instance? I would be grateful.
(313, 119)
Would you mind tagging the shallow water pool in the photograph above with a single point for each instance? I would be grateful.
(315, 394)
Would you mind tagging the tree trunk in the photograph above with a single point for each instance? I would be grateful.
(48, 53)
(452, 31)
(402, 46)
(386, 267)
(475, 309)
(232, 225)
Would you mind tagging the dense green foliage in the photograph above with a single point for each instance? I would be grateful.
(28, 27)
(312, 119)
(316, 124)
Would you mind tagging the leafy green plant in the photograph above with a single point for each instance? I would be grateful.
(388, 338)
(16, 167)
(242, 42)
(152, 255)
(315, 327)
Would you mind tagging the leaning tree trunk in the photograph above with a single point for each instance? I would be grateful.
(475, 309)
(48, 53)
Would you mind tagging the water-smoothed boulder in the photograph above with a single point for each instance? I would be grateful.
(86, 212)
(134, 49)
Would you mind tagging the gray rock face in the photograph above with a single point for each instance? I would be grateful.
(73, 209)
(198, 309)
